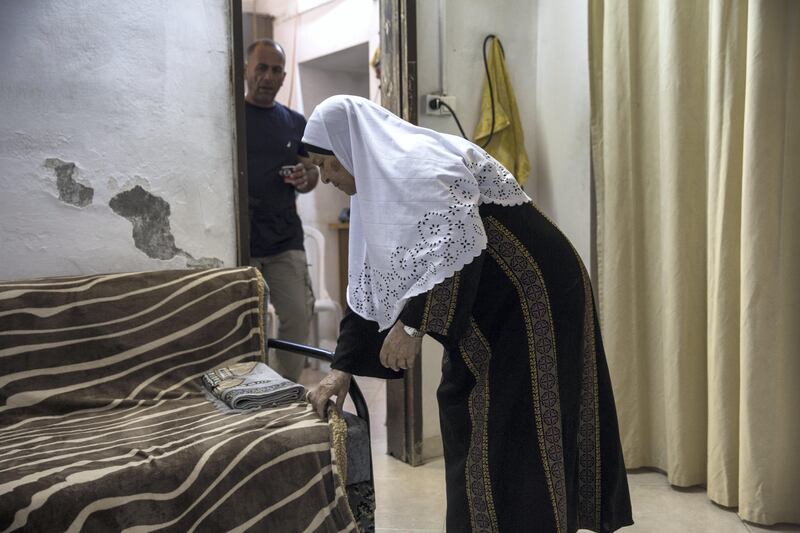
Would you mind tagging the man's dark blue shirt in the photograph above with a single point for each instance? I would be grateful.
(273, 140)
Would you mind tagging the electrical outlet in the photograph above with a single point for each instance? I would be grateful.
(441, 110)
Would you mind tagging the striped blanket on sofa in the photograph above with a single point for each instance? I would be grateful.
(105, 426)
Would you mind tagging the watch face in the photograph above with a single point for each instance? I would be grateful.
(413, 332)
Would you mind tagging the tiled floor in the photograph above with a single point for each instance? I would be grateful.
(412, 499)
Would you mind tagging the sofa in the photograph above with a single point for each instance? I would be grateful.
(105, 425)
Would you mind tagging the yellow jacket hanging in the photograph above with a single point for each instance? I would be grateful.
(508, 141)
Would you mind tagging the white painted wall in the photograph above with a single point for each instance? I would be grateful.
(560, 125)
(467, 23)
(322, 206)
(308, 33)
(132, 93)
(546, 45)
(346, 71)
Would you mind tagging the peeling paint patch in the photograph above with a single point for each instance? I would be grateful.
(203, 262)
(69, 190)
(149, 215)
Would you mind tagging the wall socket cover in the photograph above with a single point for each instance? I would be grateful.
(442, 111)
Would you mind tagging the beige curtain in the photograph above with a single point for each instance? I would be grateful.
(696, 154)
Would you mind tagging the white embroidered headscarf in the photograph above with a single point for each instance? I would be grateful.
(414, 219)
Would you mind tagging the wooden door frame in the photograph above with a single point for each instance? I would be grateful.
(236, 70)
(399, 95)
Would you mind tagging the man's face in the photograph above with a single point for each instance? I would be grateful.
(264, 75)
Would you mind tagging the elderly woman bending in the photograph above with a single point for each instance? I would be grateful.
(444, 242)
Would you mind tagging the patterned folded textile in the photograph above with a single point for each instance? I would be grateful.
(250, 385)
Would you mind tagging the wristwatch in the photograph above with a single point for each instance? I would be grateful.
(412, 332)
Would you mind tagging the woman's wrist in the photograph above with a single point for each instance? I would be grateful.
(341, 374)
(410, 331)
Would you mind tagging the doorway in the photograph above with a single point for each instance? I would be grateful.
(322, 60)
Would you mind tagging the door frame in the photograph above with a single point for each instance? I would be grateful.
(399, 95)
(236, 71)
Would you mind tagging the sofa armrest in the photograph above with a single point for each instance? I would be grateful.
(356, 395)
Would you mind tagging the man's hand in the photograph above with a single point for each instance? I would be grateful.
(305, 175)
(337, 383)
(399, 349)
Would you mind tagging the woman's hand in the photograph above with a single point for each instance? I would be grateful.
(399, 349)
(336, 383)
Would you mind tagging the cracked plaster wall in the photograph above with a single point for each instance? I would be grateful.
(136, 96)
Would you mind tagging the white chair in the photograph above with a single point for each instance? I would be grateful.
(314, 243)
(272, 322)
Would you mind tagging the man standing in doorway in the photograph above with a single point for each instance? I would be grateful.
(278, 169)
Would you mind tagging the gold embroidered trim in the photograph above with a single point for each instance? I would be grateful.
(338, 428)
(476, 353)
(451, 312)
(589, 420)
(423, 325)
(589, 459)
(338, 442)
(525, 275)
(440, 306)
(261, 287)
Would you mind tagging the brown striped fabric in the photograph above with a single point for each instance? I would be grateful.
(105, 426)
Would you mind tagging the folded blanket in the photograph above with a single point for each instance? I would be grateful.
(250, 385)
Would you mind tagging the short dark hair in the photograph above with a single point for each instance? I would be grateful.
(265, 42)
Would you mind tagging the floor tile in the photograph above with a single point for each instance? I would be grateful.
(409, 498)
(663, 509)
(644, 476)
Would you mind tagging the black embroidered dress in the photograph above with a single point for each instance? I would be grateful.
(527, 413)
